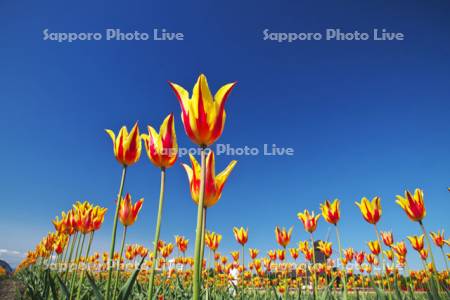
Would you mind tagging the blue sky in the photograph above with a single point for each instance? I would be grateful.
(365, 118)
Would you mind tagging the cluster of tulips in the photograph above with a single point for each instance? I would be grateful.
(203, 116)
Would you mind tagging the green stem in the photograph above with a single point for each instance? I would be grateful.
(314, 267)
(118, 261)
(383, 263)
(203, 235)
(72, 282)
(74, 241)
(113, 238)
(198, 237)
(445, 258)
(242, 273)
(157, 233)
(344, 269)
(429, 246)
(80, 281)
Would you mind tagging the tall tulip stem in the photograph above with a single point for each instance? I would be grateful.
(113, 238)
(81, 279)
(314, 266)
(116, 280)
(198, 237)
(344, 269)
(429, 246)
(157, 234)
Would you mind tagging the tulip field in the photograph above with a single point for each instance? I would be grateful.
(64, 266)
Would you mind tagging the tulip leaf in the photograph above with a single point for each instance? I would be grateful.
(97, 293)
(125, 291)
(63, 287)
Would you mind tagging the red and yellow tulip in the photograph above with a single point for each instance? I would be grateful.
(416, 242)
(309, 220)
(162, 147)
(202, 114)
(241, 235)
(325, 248)
(213, 185)
(212, 240)
(182, 243)
(282, 236)
(374, 247)
(387, 237)
(330, 211)
(371, 210)
(413, 205)
(127, 146)
(128, 212)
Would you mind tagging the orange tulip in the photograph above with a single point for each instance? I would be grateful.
(235, 255)
(253, 253)
(413, 205)
(359, 257)
(423, 254)
(438, 238)
(272, 255)
(371, 210)
(202, 114)
(241, 235)
(303, 246)
(330, 211)
(166, 250)
(213, 184)
(162, 147)
(281, 254)
(283, 237)
(325, 248)
(349, 254)
(371, 259)
(309, 220)
(128, 212)
(374, 247)
(127, 146)
(294, 253)
(212, 240)
(182, 243)
(416, 242)
(389, 254)
(400, 248)
(387, 237)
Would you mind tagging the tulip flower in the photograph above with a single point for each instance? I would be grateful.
(416, 242)
(349, 254)
(213, 185)
(371, 259)
(162, 150)
(413, 205)
(127, 146)
(212, 240)
(303, 246)
(128, 212)
(162, 147)
(325, 248)
(439, 240)
(359, 257)
(400, 248)
(371, 210)
(389, 254)
(294, 253)
(241, 235)
(166, 251)
(387, 237)
(235, 255)
(202, 114)
(182, 243)
(374, 247)
(309, 220)
(283, 237)
(330, 211)
(127, 150)
(272, 255)
(281, 254)
(423, 254)
(253, 253)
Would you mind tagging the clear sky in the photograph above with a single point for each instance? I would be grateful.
(364, 118)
